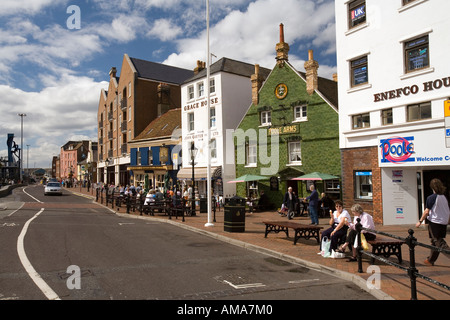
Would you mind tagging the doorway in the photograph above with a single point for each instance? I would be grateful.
(443, 175)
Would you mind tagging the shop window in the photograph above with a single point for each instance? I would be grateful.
(420, 111)
(266, 118)
(300, 113)
(386, 117)
(295, 152)
(356, 13)
(417, 55)
(361, 121)
(359, 71)
(363, 185)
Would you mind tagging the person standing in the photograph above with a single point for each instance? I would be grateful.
(289, 202)
(313, 205)
(437, 215)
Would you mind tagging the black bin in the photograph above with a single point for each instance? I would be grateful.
(203, 205)
(234, 219)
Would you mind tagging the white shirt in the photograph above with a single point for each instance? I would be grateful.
(344, 214)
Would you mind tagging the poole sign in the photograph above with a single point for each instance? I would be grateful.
(415, 149)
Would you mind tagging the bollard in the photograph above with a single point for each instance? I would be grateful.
(358, 229)
(411, 242)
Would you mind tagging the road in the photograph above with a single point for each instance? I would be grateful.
(79, 250)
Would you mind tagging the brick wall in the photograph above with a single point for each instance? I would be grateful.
(359, 159)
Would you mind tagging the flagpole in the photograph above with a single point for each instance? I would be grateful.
(208, 144)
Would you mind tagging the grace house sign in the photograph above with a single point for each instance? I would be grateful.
(414, 89)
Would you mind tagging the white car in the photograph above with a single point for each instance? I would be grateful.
(53, 188)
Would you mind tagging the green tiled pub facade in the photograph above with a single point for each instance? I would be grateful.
(303, 110)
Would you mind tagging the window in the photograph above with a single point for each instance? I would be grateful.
(191, 94)
(138, 157)
(212, 117)
(417, 55)
(356, 13)
(363, 185)
(359, 71)
(251, 153)
(361, 121)
(212, 86)
(191, 121)
(419, 111)
(213, 149)
(150, 157)
(386, 117)
(266, 118)
(201, 89)
(300, 113)
(295, 152)
(129, 89)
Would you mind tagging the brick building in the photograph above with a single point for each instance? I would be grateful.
(143, 91)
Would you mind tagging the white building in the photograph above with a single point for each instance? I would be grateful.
(230, 96)
(394, 80)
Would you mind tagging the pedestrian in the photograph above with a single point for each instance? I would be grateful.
(366, 221)
(313, 205)
(289, 202)
(437, 215)
(338, 225)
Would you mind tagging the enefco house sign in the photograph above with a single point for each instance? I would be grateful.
(414, 89)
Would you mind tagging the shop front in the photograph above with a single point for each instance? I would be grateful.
(408, 163)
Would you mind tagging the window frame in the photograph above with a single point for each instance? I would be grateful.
(356, 64)
(419, 106)
(212, 118)
(266, 118)
(191, 92)
(251, 153)
(385, 118)
(201, 89)
(359, 177)
(291, 153)
(353, 5)
(191, 121)
(303, 110)
(360, 116)
(414, 47)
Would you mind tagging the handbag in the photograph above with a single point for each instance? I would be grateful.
(326, 243)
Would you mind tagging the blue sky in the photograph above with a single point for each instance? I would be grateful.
(54, 74)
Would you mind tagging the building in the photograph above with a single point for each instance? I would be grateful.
(155, 153)
(230, 94)
(290, 129)
(143, 91)
(394, 84)
(87, 167)
(71, 154)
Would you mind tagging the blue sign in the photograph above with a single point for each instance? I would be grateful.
(447, 132)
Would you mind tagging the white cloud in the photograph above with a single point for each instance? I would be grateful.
(9, 7)
(164, 30)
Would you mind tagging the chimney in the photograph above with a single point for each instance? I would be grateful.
(282, 48)
(311, 66)
(335, 77)
(200, 66)
(257, 81)
(112, 72)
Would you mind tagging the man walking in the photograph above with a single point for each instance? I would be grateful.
(313, 205)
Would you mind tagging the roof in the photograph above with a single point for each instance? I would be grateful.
(231, 66)
(163, 126)
(328, 88)
(160, 72)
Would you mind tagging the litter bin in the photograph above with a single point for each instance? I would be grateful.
(234, 219)
(203, 205)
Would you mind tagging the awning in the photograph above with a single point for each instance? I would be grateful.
(199, 173)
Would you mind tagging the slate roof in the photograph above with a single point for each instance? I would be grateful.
(160, 72)
(328, 88)
(231, 66)
(163, 126)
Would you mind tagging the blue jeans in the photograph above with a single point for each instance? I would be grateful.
(314, 214)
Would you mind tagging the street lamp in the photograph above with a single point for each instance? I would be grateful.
(193, 151)
(21, 115)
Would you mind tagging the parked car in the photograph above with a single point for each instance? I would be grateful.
(53, 188)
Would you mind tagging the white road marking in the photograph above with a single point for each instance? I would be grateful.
(42, 285)
(244, 286)
(9, 215)
(31, 195)
(302, 281)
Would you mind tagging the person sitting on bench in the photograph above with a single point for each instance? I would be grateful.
(339, 227)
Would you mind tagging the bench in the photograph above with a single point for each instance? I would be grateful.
(386, 247)
(301, 230)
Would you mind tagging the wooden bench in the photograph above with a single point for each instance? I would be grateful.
(301, 230)
(386, 247)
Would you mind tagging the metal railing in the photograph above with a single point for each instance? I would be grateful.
(411, 271)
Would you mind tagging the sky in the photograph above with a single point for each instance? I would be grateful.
(55, 55)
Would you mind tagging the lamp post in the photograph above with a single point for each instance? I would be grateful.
(21, 115)
(194, 151)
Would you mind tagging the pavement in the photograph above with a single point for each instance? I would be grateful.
(390, 283)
